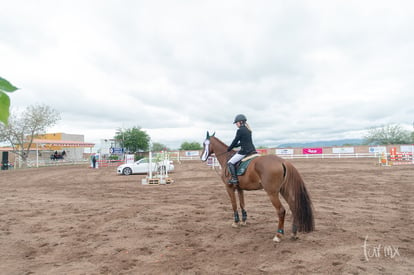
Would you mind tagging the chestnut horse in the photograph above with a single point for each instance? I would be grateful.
(273, 174)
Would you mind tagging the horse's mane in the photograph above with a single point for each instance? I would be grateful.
(220, 142)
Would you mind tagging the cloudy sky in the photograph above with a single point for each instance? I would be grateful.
(299, 70)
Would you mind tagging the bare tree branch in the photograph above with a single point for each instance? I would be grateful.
(23, 127)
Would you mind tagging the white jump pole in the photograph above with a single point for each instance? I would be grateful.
(166, 157)
(150, 164)
(412, 153)
(37, 155)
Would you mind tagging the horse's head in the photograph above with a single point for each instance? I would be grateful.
(207, 150)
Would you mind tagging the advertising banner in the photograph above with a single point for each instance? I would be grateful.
(344, 150)
(118, 151)
(307, 151)
(192, 153)
(284, 151)
(262, 151)
(407, 148)
(377, 149)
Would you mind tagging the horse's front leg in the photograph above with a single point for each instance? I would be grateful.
(232, 195)
(241, 202)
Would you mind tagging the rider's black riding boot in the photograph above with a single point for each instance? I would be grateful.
(232, 170)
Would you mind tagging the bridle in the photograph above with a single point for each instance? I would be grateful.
(228, 156)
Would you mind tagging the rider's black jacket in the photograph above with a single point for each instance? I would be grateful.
(244, 140)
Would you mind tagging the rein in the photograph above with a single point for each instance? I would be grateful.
(228, 157)
(223, 154)
(219, 157)
(215, 170)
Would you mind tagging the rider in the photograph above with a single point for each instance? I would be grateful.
(244, 140)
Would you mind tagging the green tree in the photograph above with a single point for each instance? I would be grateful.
(190, 146)
(23, 127)
(133, 139)
(5, 87)
(388, 134)
(157, 147)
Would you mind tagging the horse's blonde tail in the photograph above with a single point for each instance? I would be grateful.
(297, 196)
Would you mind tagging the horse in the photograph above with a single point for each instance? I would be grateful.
(273, 174)
(57, 156)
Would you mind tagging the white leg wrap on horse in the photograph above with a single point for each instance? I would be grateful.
(235, 225)
(276, 239)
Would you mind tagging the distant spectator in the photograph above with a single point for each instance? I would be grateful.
(94, 162)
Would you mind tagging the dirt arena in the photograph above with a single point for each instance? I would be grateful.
(77, 220)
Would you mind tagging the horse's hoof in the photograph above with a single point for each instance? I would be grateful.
(276, 239)
(294, 237)
(244, 223)
(235, 225)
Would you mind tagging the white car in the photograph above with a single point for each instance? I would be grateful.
(142, 166)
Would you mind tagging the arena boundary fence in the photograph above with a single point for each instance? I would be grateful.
(329, 156)
(109, 163)
(335, 152)
(47, 163)
(300, 156)
(404, 155)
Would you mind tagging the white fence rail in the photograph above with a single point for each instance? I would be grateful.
(179, 158)
(42, 163)
(300, 156)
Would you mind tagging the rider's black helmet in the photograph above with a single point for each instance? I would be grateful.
(240, 117)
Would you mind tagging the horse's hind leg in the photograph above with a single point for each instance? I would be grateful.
(294, 223)
(241, 202)
(274, 198)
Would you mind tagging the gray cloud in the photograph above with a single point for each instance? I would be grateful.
(299, 70)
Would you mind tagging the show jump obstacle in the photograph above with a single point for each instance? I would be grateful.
(396, 158)
(161, 176)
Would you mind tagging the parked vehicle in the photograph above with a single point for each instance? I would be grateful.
(142, 166)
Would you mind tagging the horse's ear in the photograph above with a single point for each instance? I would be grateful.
(208, 135)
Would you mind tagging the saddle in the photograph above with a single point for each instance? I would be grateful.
(242, 165)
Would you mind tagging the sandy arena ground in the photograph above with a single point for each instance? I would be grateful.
(77, 220)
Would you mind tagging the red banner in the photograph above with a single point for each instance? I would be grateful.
(312, 151)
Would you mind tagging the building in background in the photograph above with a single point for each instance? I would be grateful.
(50, 147)
(71, 145)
